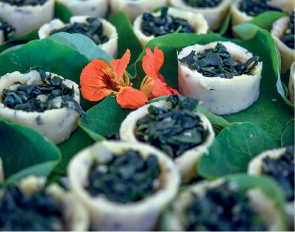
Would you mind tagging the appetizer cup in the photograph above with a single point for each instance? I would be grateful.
(292, 84)
(189, 159)
(213, 15)
(75, 216)
(110, 215)
(134, 8)
(278, 31)
(110, 47)
(56, 124)
(196, 20)
(26, 18)
(255, 168)
(175, 218)
(220, 95)
(91, 8)
(238, 17)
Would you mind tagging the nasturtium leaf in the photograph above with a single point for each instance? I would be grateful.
(288, 135)
(225, 25)
(62, 12)
(51, 56)
(78, 140)
(233, 148)
(269, 112)
(82, 44)
(19, 40)
(25, 151)
(104, 119)
(127, 38)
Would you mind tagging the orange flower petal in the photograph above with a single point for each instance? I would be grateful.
(146, 87)
(152, 62)
(120, 65)
(172, 91)
(131, 98)
(94, 93)
(160, 89)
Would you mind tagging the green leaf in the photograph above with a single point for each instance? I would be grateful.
(104, 119)
(25, 151)
(267, 185)
(233, 148)
(50, 55)
(82, 44)
(288, 135)
(127, 38)
(270, 111)
(225, 25)
(78, 140)
(62, 12)
(19, 40)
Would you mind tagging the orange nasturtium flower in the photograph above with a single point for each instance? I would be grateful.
(154, 84)
(99, 80)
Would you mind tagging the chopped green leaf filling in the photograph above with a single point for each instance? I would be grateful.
(218, 62)
(172, 130)
(7, 29)
(24, 2)
(282, 170)
(164, 24)
(224, 208)
(93, 30)
(202, 3)
(256, 7)
(125, 178)
(38, 212)
(289, 37)
(52, 94)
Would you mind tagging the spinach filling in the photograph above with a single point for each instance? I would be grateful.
(172, 130)
(38, 212)
(282, 170)
(24, 2)
(203, 3)
(223, 208)
(52, 94)
(125, 178)
(218, 62)
(164, 24)
(7, 29)
(93, 30)
(289, 38)
(256, 7)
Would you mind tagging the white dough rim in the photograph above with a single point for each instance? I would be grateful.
(110, 47)
(186, 162)
(196, 20)
(107, 215)
(291, 86)
(277, 32)
(64, 120)
(90, 8)
(134, 8)
(219, 95)
(262, 204)
(213, 15)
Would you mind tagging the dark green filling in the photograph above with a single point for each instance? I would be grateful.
(256, 7)
(93, 30)
(202, 3)
(218, 62)
(52, 94)
(289, 38)
(25, 2)
(7, 29)
(38, 212)
(164, 24)
(282, 170)
(126, 178)
(223, 208)
(172, 130)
